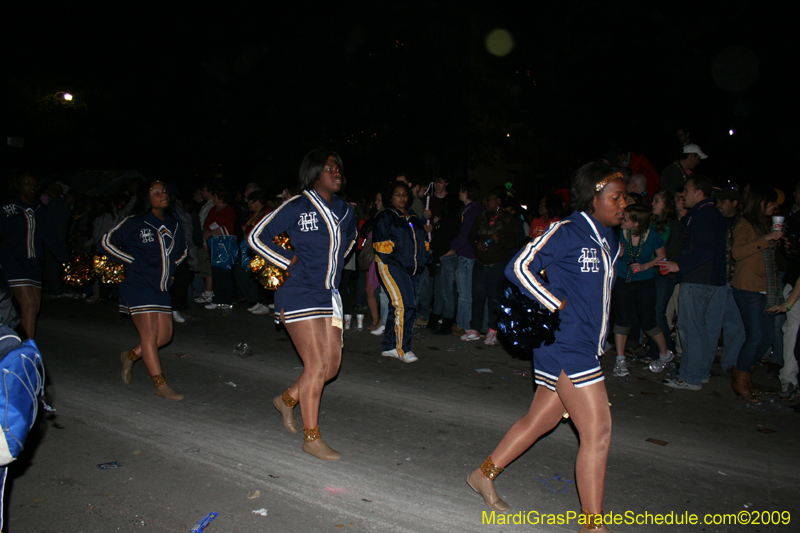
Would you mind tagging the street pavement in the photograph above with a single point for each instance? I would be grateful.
(409, 435)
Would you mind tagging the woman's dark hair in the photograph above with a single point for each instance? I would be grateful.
(501, 193)
(223, 194)
(473, 190)
(312, 165)
(669, 212)
(142, 205)
(640, 215)
(386, 197)
(554, 204)
(584, 183)
(257, 195)
(754, 204)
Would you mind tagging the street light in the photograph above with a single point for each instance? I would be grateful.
(63, 95)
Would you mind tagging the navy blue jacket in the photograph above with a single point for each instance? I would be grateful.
(578, 255)
(703, 257)
(401, 240)
(322, 235)
(23, 227)
(151, 249)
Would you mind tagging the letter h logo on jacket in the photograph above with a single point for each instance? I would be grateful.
(308, 222)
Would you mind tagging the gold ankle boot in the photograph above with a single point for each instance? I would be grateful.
(593, 523)
(164, 390)
(484, 484)
(128, 358)
(315, 446)
(285, 405)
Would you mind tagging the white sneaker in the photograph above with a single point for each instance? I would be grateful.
(621, 368)
(409, 357)
(204, 298)
(470, 335)
(177, 317)
(491, 338)
(254, 307)
(391, 353)
(378, 330)
(261, 309)
(659, 364)
(678, 384)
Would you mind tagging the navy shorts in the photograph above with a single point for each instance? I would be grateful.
(579, 363)
(26, 272)
(135, 299)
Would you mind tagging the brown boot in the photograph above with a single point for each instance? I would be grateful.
(315, 446)
(484, 485)
(128, 358)
(741, 386)
(285, 405)
(164, 390)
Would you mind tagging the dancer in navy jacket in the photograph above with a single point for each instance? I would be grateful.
(152, 245)
(24, 225)
(401, 253)
(579, 254)
(322, 229)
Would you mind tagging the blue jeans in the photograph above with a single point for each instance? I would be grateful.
(444, 304)
(759, 327)
(732, 330)
(700, 311)
(464, 286)
(425, 293)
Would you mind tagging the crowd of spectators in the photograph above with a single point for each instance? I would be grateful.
(703, 271)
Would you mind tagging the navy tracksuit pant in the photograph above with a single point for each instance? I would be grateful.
(402, 291)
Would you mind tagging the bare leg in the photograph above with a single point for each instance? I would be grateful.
(372, 303)
(29, 300)
(320, 347)
(209, 285)
(661, 342)
(545, 412)
(155, 329)
(589, 410)
(619, 343)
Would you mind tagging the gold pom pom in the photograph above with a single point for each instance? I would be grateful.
(79, 270)
(270, 276)
(107, 270)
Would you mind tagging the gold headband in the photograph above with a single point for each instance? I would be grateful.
(608, 179)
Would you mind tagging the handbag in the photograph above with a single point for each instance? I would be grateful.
(244, 254)
(367, 256)
(23, 387)
(224, 250)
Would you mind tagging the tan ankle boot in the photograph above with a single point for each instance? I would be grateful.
(315, 446)
(483, 484)
(741, 386)
(285, 405)
(164, 390)
(128, 358)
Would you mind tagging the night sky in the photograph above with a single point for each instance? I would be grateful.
(181, 93)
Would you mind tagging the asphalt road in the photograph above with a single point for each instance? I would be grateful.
(409, 435)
